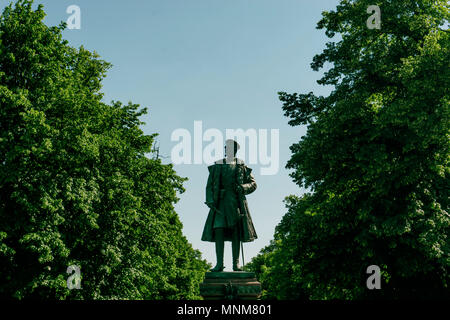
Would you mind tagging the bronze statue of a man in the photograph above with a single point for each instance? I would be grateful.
(229, 218)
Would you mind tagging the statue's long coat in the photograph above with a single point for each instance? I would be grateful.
(245, 178)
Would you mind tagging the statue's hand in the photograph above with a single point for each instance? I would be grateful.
(239, 189)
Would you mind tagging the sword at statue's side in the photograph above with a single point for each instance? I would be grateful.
(242, 243)
(241, 218)
(239, 191)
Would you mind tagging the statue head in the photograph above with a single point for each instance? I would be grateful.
(231, 148)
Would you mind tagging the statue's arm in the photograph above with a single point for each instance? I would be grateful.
(209, 188)
(250, 184)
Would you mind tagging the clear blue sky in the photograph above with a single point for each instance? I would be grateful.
(219, 61)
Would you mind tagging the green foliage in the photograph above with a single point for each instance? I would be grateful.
(273, 267)
(75, 185)
(375, 157)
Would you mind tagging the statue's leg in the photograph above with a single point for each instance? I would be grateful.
(235, 245)
(220, 243)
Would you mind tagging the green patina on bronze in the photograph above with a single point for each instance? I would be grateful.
(230, 286)
(229, 181)
(227, 201)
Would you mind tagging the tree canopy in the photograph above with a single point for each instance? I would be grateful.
(375, 159)
(76, 186)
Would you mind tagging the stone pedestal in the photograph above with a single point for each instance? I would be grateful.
(230, 286)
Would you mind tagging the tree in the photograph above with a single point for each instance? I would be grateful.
(273, 267)
(375, 157)
(75, 185)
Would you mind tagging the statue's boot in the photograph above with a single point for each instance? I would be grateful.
(220, 243)
(235, 247)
